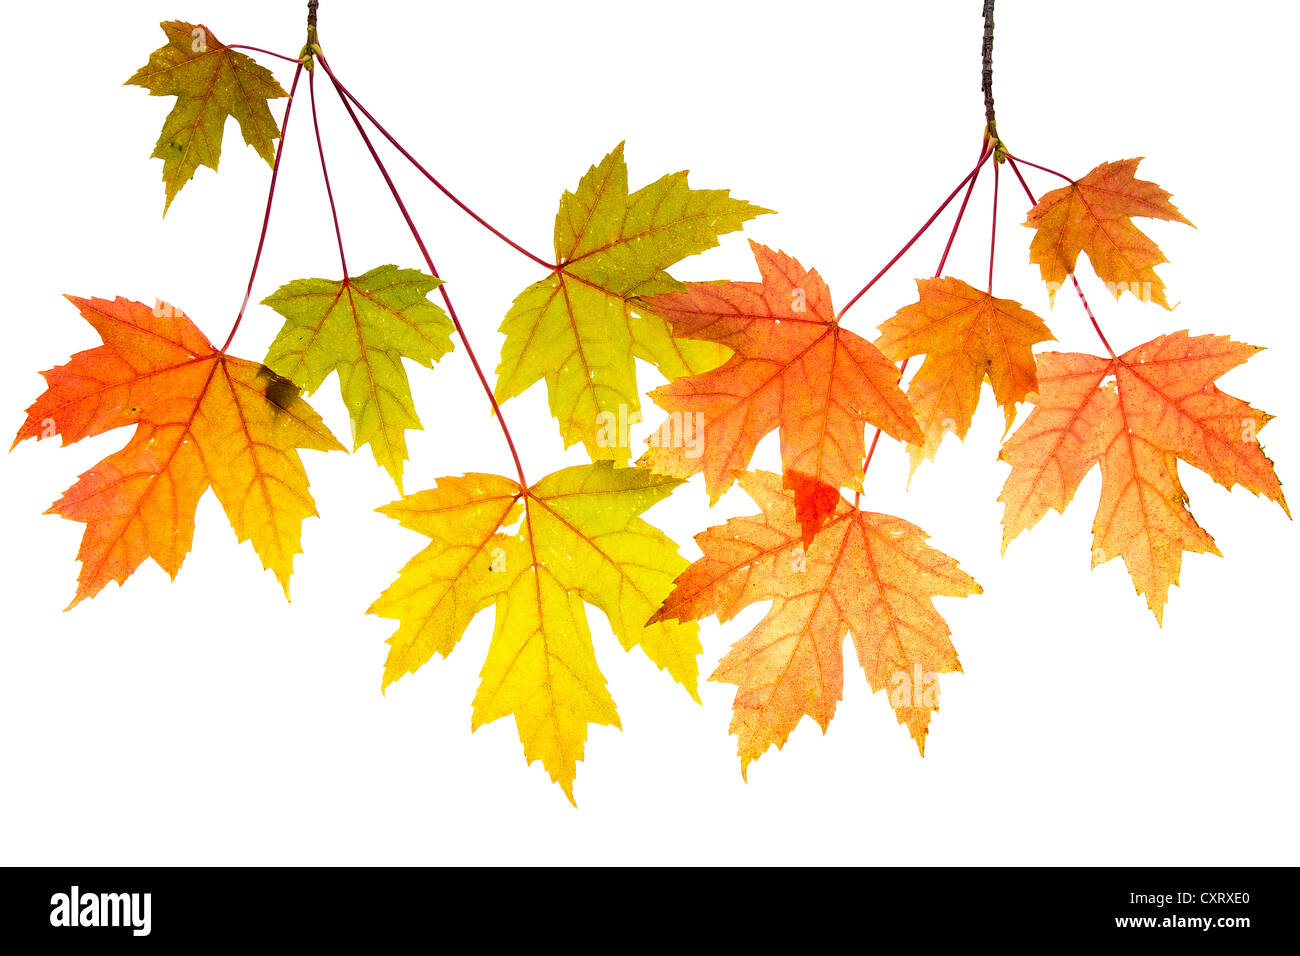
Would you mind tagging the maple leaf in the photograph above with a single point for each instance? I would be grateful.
(362, 327)
(966, 335)
(1136, 414)
(210, 82)
(1093, 215)
(793, 368)
(871, 575)
(582, 327)
(579, 540)
(203, 420)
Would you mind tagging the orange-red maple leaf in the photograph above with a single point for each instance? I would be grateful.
(1136, 414)
(966, 335)
(794, 368)
(1094, 215)
(871, 575)
(203, 419)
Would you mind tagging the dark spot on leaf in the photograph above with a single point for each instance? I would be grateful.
(279, 391)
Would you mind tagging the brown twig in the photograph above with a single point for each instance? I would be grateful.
(986, 84)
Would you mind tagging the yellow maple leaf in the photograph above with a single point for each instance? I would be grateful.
(579, 540)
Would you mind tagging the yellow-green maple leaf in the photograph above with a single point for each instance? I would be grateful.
(362, 327)
(210, 82)
(582, 327)
(579, 541)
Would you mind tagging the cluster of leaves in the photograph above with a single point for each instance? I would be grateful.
(742, 359)
(1137, 413)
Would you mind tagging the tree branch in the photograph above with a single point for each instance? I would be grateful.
(990, 117)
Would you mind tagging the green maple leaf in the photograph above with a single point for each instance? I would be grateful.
(362, 327)
(582, 327)
(210, 82)
(579, 541)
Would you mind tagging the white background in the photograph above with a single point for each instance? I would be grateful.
(208, 721)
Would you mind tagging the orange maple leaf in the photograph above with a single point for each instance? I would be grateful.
(203, 419)
(1093, 215)
(868, 574)
(794, 368)
(1136, 414)
(966, 335)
